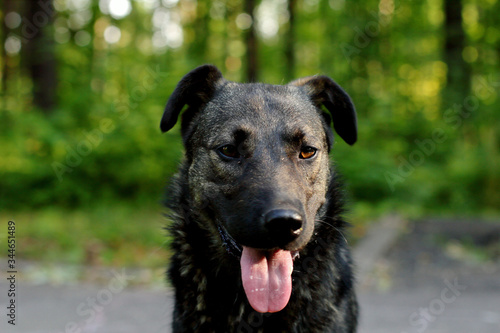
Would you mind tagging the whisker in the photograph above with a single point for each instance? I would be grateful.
(335, 228)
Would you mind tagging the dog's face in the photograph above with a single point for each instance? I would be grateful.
(258, 157)
(261, 154)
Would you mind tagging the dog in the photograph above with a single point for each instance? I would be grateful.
(257, 233)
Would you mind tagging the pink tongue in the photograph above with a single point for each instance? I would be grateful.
(267, 278)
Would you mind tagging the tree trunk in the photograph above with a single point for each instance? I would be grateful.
(5, 7)
(39, 52)
(251, 42)
(458, 77)
(290, 43)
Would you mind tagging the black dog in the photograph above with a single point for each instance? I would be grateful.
(257, 238)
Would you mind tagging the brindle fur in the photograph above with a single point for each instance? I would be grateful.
(269, 125)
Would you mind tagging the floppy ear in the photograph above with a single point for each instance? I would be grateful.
(323, 90)
(195, 89)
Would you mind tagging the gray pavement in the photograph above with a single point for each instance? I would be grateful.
(398, 292)
(87, 308)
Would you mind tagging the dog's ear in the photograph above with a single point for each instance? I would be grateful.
(324, 91)
(195, 89)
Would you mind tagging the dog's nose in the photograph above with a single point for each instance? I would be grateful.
(285, 225)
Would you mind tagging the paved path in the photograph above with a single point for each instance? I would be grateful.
(398, 297)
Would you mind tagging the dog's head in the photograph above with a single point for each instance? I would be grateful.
(259, 154)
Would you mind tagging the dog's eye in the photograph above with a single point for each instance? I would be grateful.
(307, 152)
(229, 151)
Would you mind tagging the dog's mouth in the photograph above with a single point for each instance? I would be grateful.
(267, 278)
(266, 274)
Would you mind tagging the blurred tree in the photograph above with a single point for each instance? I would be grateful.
(6, 7)
(458, 75)
(39, 52)
(252, 69)
(290, 43)
(97, 66)
(201, 32)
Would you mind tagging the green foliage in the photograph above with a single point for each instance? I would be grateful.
(102, 143)
(104, 234)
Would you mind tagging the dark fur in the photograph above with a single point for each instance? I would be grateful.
(269, 125)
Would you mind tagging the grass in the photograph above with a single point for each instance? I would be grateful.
(111, 235)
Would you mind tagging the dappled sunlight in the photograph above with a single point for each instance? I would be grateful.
(270, 15)
(118, 9)
(112, 34)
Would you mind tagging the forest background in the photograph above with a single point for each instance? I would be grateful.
(83, 164)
